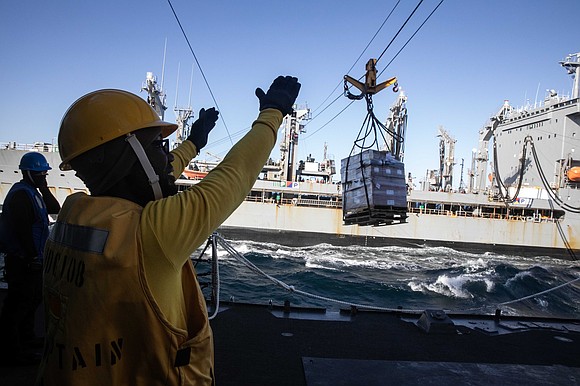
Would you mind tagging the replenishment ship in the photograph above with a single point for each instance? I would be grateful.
(522, 191)
(529, 201)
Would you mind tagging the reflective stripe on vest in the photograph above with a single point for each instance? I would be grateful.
(104, 326)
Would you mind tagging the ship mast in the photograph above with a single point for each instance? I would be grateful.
(155, 95)
(289, 146)
(572, 65)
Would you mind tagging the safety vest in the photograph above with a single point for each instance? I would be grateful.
(103, 325)
(39, 227)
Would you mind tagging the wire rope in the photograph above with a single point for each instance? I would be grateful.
(550, 192)
(553, 196)
(328, 123)
(540, 293)
(380, 73)
(410, 38)
(357, 59)
(399, 31)
(200, 69)
(292, 289)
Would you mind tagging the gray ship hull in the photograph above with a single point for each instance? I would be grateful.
(532, 205)
(303, 226)
(310, 222)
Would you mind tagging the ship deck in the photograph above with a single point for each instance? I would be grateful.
(268, 345)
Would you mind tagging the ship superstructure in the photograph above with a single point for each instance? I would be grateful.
(529, 200)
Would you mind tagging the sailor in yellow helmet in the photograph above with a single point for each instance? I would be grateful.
(123, 303)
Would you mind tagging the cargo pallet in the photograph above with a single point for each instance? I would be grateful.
(377, 216)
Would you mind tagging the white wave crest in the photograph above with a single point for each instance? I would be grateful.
(451, 286)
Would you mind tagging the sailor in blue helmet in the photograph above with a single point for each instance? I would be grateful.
(23, 232)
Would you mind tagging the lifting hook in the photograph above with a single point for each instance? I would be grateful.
(370, 86)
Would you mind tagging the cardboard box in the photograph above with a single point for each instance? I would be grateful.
(373, 181)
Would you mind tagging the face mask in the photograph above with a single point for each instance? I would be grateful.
(38, 178)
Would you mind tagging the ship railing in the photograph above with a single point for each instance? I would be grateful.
(540, 107)
(297, 202)
(38, 146)
(317, 203)
(494, 216)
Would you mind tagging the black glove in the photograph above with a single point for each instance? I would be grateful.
(201, 128)
(281, 95)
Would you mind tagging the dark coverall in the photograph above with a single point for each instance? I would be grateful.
(23, 269)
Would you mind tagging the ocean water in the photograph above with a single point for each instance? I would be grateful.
(389, 277)
(333, 277)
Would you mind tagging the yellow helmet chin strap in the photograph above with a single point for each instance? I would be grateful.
(151, 175)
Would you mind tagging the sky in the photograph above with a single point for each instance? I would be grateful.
(456, 71)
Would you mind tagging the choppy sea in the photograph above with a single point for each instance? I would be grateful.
(333, 277)
(388, 277)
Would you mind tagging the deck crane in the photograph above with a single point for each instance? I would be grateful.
(482, 153)
(396, 127)
(182, 117)
(446, 159)
(374, 185)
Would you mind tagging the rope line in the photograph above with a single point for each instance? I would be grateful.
(409, 40)
(528, 140)
(216, 266)
(355, 62)
(292, 289)
(200, 69)
(540, 293)
(399, 31)
(397, 54)
(550, 192)
(331, 119)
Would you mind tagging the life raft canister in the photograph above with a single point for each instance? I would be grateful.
(574, 174)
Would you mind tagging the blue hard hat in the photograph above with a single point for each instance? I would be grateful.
(34, 162)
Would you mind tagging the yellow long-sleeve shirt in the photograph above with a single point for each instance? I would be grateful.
(108, 257)
(173, 227)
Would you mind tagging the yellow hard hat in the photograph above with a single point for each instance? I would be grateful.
(102, 116)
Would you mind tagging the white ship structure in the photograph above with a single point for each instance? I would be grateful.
(522, 193)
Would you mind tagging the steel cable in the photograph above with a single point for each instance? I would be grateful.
(200, 69)
(356, 61)
(380, 73)
(290, 288)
